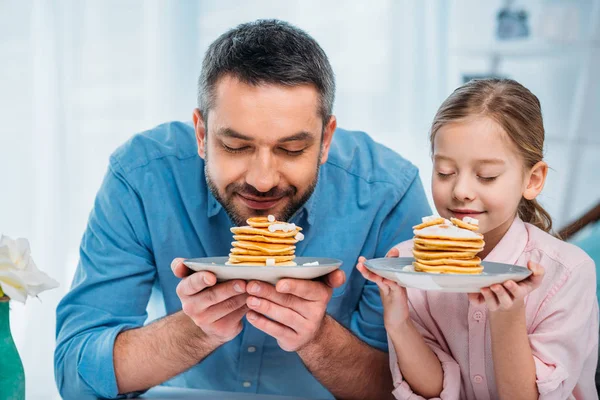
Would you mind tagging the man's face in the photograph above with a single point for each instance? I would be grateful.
(262, 147)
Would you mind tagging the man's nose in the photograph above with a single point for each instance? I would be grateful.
(262, 172)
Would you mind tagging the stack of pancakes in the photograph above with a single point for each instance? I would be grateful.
(448, 246)
(264, 242)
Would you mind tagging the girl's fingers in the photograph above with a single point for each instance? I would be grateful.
(490, 299)
(476, 299)
(514, 289)
(394, 252)
(502, 295)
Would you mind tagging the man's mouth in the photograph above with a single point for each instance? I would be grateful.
(259, 203)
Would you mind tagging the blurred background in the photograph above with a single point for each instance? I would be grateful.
(79, 77)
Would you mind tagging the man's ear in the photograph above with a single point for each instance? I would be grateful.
(200, 129)
(327, 138)
(536, 180)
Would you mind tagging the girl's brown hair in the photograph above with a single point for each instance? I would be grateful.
(517, 111)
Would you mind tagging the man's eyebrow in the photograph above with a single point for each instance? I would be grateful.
(230, 133)
(300, 136)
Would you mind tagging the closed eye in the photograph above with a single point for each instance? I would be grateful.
(487, 178)
(234, 149)
(293, 153)
(443, 176)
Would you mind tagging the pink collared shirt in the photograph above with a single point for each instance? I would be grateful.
(561, 315)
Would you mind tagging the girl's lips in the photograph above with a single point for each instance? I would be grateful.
(460, 214)
(260, 204)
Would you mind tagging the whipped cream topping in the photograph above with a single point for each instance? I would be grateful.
(450, 231)
(472, 221)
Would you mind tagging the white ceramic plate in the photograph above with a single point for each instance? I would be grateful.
(217, 266)
(401, 270)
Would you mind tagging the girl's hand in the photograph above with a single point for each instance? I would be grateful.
(393, 296)
(509, 295)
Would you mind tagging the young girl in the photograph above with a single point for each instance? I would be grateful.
(534, 339)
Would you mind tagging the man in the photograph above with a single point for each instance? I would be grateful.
(262, 143)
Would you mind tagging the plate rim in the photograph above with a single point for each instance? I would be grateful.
(526, 271)
(338, 263)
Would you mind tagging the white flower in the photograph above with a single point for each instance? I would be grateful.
(19, 276)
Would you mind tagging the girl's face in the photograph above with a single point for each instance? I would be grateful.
(478, 172)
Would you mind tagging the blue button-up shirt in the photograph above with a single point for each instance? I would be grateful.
(154, 206)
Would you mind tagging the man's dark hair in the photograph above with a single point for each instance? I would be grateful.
(267, 51)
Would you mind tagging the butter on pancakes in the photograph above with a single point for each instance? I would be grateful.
(264, 242)
(447, 246)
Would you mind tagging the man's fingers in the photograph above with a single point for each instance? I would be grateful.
(179, 269)
(272, 328)
(335, 279)
(308, 290)
(275, 312)
(224, 308)
(221, 292)
(195, 283)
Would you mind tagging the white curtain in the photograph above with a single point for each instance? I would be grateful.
(78, 78)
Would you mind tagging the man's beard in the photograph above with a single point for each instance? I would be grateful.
(235, 215)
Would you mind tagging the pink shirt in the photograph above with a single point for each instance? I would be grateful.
(562, 323)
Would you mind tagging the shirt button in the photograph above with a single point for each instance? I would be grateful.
(246, 384)
(477, 379)
(477, 315)
(251, 349)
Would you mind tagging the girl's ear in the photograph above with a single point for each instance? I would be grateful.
(535, 180)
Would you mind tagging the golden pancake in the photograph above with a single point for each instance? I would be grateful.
(241, 258)
(246, 252)
(264, 239)
(425, 224)
(437, 255)
(248, 230)
(419, 246)
(464, 225)
(268, 248)
(259, 222)
(471, 262)
(444, 269)
(444, 244)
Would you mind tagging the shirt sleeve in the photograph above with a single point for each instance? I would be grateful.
(564, 335)
(450, 368)
(367, 320)
(109, 293)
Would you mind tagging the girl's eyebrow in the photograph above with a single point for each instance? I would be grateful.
(496, 161)
(439, 157)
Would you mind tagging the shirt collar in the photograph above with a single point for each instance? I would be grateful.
(214, 207)
(512, 244)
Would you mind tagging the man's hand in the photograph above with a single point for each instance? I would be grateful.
(293, 310)
(217, 309)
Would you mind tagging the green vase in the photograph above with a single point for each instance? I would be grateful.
(12, 376)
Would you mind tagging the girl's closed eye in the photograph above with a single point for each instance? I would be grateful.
(487, 179)
(444, 175)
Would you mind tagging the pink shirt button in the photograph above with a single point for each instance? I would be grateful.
(477, 315)
(477, 379)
